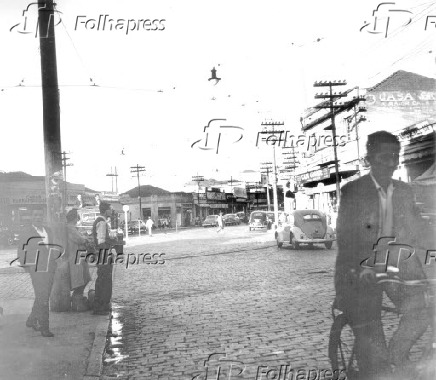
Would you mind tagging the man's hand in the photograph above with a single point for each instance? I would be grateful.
(367, 275)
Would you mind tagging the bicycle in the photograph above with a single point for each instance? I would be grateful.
(341, 340)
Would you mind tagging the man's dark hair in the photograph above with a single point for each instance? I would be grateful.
(377, 138)
(72, 215)
(104, 206)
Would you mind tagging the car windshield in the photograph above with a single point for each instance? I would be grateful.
(258, 215)
(311, 217)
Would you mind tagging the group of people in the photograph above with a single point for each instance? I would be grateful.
(377, 220)
(39, 254)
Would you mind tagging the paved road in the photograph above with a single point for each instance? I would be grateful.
(232, 293)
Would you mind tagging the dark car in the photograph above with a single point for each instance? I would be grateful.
(258, 219)
(133, 226)
(242, 217)
(231, 219)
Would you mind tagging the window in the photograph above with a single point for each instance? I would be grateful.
(311, 217)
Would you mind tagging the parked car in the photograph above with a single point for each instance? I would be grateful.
(133, 226)
(231, 219)
(87, 216)
(305, 227)
(258, 219)
(211, 221)
(242, 217)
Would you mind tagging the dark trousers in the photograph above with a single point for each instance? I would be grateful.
(374, 359)
(364, 311)
(103, 287)
(42, 283)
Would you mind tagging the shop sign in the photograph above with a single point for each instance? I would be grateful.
(240, 192)
(215, 196)
(219, 205)
(24, 199)
(315, 175)
(401, 98)
(109, 196)
(415, 130)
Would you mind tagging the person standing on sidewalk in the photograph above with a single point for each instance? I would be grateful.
(36, 256)
(103, 244)
(79, 271)
(149, 226)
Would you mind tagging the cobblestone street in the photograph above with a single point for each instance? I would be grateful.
(234, 294)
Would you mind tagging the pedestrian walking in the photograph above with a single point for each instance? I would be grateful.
(149, 225)
(103, 243)
(220, 222)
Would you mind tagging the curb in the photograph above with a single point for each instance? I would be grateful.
(95, 358)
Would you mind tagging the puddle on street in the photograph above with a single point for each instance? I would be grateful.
(114, 353)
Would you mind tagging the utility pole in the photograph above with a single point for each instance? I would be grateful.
(112, 175)
(198, 179)
(353, 121)
(231, 186)
(331, 99)
(276, 204)
(138, 169)
(50, 111)
(267, 166)
(64, 165)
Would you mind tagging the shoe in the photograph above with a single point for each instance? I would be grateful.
(46, 333)
(33, 323)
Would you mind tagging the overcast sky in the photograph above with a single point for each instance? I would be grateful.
(152, 97)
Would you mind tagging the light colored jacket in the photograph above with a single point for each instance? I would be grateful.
(79, 273)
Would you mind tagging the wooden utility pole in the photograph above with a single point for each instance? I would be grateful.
(60, 295)
(138, 169)
(112, 175)
(198, 178)
(64, 165)
(266, 170)
(51, 112)
(331, 99)
(276, 202)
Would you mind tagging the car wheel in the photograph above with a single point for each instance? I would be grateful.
(295, 244)
(249, 228)
(279, 244)
(328, 245)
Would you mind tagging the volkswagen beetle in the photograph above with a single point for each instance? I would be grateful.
(305, 227)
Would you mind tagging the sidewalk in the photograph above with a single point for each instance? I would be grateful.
(75, 352)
